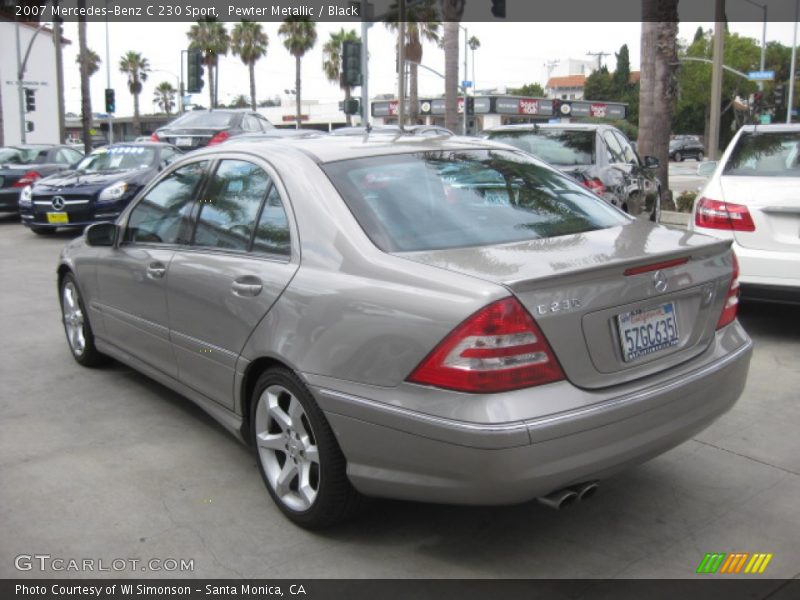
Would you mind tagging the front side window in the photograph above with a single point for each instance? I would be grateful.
(162, 216)
(230, 207)
(765, 154)
(461, 198)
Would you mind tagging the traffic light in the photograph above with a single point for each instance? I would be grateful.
(470, 105)
(111, 105)
(28, 126)
(499, 8)
(30, 100)
(351, 106)
(194, 71)
(351, 64)
(778, 95)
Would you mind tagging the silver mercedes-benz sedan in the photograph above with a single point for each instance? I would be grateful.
(442, 320)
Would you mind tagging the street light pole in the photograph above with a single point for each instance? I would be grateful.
(108, 81)
(365, 24)
(763, 39)
(716, 79)
(466, 89)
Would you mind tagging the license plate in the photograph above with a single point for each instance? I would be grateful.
(57, 217)
(648, 330)
(183, 141)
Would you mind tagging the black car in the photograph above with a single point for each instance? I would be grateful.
(25, 164)
(97, 189)
(599, 156)
(685, 146)
(200, 128)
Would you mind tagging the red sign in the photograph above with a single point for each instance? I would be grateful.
(528, 107)
(393, 107)
(460, 105)
(598, 110)
(290, 118)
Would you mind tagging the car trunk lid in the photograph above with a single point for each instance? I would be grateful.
(586, 290)
(774, 206)
(189, 137)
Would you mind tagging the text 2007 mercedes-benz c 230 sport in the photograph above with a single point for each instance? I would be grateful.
(442, 320)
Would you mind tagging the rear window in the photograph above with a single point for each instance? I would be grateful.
(765, 154)
(20, 156)
(203, 118)
(451, 199)
(554, 146)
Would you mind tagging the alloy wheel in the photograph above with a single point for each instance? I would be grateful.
(288, 448)
(73, 319)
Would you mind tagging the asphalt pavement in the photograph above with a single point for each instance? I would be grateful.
(105, 464)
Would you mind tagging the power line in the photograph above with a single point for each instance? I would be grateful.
(599, 56)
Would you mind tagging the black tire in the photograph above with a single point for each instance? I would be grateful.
(700, 156)
(678, 157)
(43, 230)
(335, 499)
(86, 354)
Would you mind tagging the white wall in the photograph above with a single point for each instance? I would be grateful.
(40, 75)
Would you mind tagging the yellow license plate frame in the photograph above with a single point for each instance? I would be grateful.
(56, 218)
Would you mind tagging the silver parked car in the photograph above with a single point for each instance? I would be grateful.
(443, 320)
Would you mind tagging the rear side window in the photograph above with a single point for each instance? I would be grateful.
(557, 147)
(162, 216)
(450, 199)
(765, 154)
(229, 209)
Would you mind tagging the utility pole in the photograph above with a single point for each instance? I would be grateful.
(20, 91)
(401, 64)
(763, 38)
(599, 56)
(57, 32)
(365, 25)
(108, 82)
(466, 74)
(716, 79)
(790, 102)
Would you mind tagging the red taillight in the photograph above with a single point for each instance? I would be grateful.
(657, 266)
(731, 298)
(219, 138)
(497, 349)
(716, 214)
(29, 178)
(595, 185)
(154, 137)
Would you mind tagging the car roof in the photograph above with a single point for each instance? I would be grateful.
(324, 149)
(773, 127)
(536, 126)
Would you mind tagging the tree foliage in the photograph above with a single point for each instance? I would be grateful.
(533, 90)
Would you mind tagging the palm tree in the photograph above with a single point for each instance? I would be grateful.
(422, 26)
(299, 36)
(658, 85)
(92, 61)
(164, 96)
(86, 97)
(332, 60)
(452, 13)
(211, 38)
(136, 67)
(249, 42)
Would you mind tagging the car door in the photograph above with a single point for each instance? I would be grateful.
(242, 256)
(132, 279)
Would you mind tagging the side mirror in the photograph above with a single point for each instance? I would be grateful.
(101, 234)
(707, 169)
(651, 162)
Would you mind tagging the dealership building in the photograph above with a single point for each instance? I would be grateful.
(40, 123)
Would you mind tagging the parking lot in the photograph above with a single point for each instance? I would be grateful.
(105, 464)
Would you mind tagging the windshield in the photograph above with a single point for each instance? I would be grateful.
(118, 157)
(21, 156)
(555, 146)
(765, 154)
(202, 118)
(451, 199)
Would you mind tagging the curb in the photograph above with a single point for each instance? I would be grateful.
(669, 217)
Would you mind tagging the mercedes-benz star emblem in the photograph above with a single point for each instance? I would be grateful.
(58, 203)
(660, 282)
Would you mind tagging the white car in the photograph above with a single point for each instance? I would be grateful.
(753, 198)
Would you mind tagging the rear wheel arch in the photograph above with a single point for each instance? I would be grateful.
(251, 375)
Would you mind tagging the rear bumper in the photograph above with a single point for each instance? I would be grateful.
(766, 269)
(393, 452)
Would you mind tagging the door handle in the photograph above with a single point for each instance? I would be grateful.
(156, 270)
(247, 286)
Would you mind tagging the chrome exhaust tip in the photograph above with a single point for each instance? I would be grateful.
(586, 490)
(559, 499)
